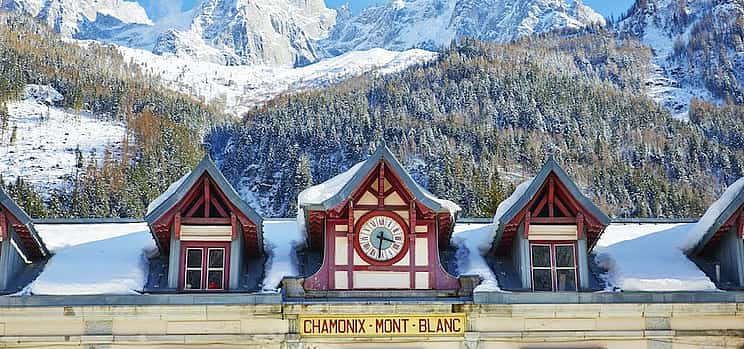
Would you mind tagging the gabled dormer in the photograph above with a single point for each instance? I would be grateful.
(545, 230)
(377, 229)
(20, 244)
(720, 247)
(207, 231)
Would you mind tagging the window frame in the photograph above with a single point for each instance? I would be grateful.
(553, 264)
(205, 247)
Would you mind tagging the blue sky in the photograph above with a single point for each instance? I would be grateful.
(157, 8)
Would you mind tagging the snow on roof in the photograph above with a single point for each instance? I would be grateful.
(316, 194)
(165, 195)
(281, 237)
(326, 190)
(649, 257)
(473, 241)
(710, 219)
(507, 204)
(92, 259)
(333, 191)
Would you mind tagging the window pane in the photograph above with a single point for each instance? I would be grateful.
(215, 280)
(542, 279)
(564, 256)
(566, 279)
(193, 258)
(540, 256)
(216, 257)
(193, 280)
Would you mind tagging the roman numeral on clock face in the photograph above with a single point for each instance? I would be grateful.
(381, 238)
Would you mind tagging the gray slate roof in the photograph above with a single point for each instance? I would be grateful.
(382, 153)
(724, 216)
(208, 166)
(10, 205)
(550, 167)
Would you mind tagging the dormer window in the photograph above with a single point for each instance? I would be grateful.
(547, 231)
(203, 227)
(553, 266)
(205, 267)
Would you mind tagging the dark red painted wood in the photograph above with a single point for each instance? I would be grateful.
(323, 223)
(3, 228)
(552, 193)
(203, 194)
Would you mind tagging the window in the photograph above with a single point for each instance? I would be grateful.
(205, 267)
(553, 267)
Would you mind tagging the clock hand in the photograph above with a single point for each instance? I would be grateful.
(379, 246)
(386, 239)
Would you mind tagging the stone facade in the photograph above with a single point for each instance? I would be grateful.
(264, 321)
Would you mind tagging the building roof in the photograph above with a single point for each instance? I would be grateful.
(33, 242)
(649, 257)
(94, 258)
(178, 190)
(527, 190)
(717, 214)
(335, 191)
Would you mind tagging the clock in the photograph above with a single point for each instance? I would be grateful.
(381, 238)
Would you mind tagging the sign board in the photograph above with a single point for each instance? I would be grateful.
(382, 325)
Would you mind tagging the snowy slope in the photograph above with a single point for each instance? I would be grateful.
(238, 88)
(40, 139)
(70, 17)
(429, 24)
(667, 26)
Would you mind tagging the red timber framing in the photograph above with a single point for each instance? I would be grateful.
(205, 204)
(552, 205)
(736, 220)
(30, 246)
(369, 200)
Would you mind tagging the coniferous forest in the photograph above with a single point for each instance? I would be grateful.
(485, 116)
(163, 128)
(469, 126)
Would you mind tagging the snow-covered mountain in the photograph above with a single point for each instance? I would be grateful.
(229, 32)
(429, 24)
(698, 49)
(238, 88)
(73, 17)
(239, 32)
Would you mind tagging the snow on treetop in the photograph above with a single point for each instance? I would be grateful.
(712, 214)
(507, 204)
(165, 195)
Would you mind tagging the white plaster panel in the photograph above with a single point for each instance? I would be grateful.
(342, 250)
(206, 233)
(422, 280)
(552, 232)
(341, 280)
(422, 251)
(381, 280)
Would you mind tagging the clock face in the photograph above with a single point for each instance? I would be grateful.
(381, 238)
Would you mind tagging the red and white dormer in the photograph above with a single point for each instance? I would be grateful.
(378, 230)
